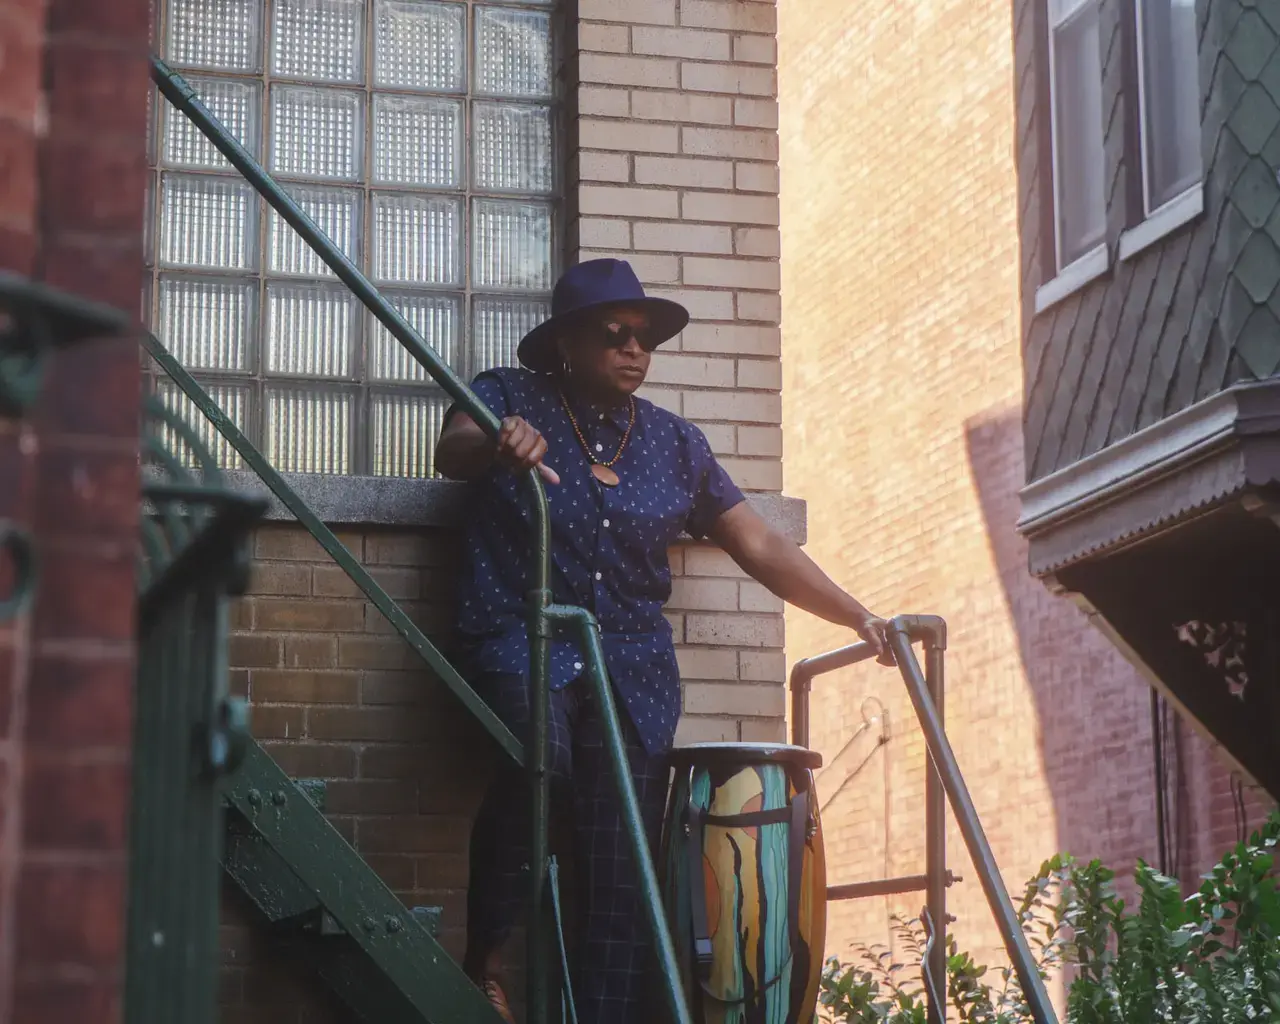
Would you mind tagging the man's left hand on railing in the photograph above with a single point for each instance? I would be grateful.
(872, 630)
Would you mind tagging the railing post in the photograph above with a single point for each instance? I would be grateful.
(538, 962)
(664, 948)
(935, 828)
(900, 632)
(189, 732)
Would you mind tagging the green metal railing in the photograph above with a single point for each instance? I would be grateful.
(35, 321)
(190, 733)
(542, 615)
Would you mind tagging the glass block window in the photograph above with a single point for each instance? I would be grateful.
(420, 136)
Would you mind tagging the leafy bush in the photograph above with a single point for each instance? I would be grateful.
(1213, 958)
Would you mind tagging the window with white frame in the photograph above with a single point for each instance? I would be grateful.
(1169, 97)
(1079, 172)
(419, 135)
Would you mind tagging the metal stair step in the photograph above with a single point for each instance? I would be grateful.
(381, 957)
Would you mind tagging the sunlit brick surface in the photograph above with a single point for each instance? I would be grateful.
(901, 416)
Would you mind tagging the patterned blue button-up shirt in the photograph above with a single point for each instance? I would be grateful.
(608, 544)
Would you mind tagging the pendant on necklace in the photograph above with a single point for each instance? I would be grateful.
(604, 474)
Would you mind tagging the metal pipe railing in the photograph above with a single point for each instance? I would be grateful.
(943, 780)
(937, 878)
(179, 92)
(589, 632)
(935, 825)
(901, 632)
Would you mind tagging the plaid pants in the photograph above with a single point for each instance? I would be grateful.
(615, 944)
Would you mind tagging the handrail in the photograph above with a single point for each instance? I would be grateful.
(589, 632)
(338, 551)
(925, 690)
(179, 92)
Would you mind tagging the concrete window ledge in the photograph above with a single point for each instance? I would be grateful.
(392, 501)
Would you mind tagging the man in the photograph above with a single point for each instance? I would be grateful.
(625, 480)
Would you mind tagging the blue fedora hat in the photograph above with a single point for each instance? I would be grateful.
(595, 287)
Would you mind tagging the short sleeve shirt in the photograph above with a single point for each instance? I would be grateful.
(609, 545)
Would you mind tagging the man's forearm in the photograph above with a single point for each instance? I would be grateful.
(464, 452)
(793, 576)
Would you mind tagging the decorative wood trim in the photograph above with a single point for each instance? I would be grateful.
(1182, 466)
(1150, 452)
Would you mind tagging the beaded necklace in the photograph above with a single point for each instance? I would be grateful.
(602, 471)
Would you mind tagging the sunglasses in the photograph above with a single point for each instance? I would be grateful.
(614, 335)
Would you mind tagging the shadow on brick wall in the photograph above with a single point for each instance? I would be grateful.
(1092, 722)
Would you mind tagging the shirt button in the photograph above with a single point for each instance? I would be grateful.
(606, 524)
(599, 447)
(599, 576)
(577, 666)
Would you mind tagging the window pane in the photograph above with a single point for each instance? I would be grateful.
(309, 430)
(310, 329)
(511, 245)
(232, 399)
(335, 211)
(436, 317)
(1171, 98)
(208, 222)
(419, 45)
(512, 148)
(1078, 156)
(238, 105)
(316, 133)
(404, 430)
(208, 323)
(417, 141)
(318, 39)
(417, 239)
(497, 325)
(513, 52)
(222, 34)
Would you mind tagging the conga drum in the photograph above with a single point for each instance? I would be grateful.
(744, 881)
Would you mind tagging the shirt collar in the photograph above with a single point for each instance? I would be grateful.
(588, 414)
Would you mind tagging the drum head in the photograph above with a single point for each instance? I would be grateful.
(729, 755)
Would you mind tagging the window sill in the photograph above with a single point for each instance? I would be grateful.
(1175, 214)
(1073, 277)
(355, 501)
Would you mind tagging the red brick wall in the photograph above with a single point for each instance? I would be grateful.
(901, 413)
(73, 94)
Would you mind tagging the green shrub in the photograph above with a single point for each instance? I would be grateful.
(1212, 958)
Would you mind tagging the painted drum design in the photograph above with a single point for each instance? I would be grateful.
(744, 881)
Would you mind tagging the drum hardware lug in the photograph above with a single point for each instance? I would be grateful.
(811, 827)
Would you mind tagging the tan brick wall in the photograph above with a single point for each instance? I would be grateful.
(677, 172)
(901, 407)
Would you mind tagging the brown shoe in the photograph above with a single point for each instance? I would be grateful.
(497, 999)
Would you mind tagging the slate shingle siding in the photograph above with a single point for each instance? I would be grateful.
(1190, 315)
